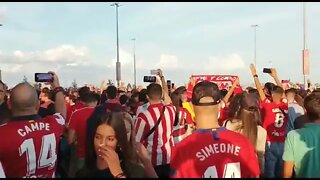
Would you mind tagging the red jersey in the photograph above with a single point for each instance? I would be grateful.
(78, 122)
(275, 118)
(160, 142)
(73, 108)
(31, 149)
(184, 119)
(214, 154)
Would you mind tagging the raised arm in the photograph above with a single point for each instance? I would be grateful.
(166, 97)
(257, 82)
(228, 95)
(59, 105)
(274, 75)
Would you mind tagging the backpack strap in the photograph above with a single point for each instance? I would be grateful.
(157, 124)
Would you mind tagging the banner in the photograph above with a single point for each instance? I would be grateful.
(223, 81)
(306, 65)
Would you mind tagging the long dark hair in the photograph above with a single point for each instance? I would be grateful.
(125, 149)
(245, 107)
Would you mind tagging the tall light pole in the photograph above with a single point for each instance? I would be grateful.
(118, 65)
(305, 51)
(0, 67)
(255, 44)
(134, 62)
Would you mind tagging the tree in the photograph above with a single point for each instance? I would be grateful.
(25, 79)
(129, 86)
(110, 83)
(74, 84)
(37, 86)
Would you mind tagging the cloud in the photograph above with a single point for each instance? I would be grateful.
(168, 62)
(226, 63)
(61, 54)
(125, 59)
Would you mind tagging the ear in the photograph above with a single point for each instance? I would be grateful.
(9, 104)
(37, 106)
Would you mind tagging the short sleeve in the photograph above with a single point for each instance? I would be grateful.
(2, 174)
(59, 118)
(288, 147)
(72, 121)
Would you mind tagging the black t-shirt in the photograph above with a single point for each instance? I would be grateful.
(130, 170)
(50, 110)
(4, 112)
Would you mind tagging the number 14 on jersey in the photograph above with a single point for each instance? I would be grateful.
(231, 170)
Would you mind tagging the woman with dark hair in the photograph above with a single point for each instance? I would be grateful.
(268, 87)
(109, 154)
(183, 124)
(244, 118)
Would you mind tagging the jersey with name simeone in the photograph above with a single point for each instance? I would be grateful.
(214, 154)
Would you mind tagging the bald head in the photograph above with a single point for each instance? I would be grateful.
(24, 99)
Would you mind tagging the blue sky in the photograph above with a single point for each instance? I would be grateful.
(78, 40)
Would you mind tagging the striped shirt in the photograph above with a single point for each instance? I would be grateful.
(180, 130)
(160, 142)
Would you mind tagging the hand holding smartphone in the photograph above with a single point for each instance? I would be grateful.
(43, 77)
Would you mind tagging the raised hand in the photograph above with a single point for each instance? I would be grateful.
(253, 69)
(111, 158)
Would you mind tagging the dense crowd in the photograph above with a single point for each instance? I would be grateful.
(264, 131)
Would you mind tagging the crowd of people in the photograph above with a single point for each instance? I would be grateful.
(266, 131)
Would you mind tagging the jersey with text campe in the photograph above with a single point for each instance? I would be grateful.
(214, 154)
(275, 118)
(28, 147)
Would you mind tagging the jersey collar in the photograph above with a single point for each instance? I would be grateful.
(26, 118)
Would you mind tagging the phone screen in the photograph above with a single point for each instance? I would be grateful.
(43, 77)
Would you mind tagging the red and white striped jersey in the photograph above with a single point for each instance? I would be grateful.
(160, 142)
(180, 130)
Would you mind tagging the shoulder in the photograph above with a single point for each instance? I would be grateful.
(57, 117)
(143, 107)
(261, 131)
(294, 133)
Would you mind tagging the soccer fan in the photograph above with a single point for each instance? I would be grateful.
(244, 118)
(275, 117)
(46, 103)
(183, 124)
(109, 153)
(78, 126)
(141, 152)
(31, 150)
(79, 104)
(294, 109)
(112, 104)
(212, 151)
(302, 146)
(4, 110)
(154, 126)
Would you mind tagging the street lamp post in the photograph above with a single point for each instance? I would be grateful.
(305, 51)
(0, 68)
(118, 65)
(134, 62)
(255, 44)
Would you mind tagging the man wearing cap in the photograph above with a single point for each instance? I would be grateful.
(213, 151)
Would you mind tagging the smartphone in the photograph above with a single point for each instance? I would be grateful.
(43, 77)
(150, 79)
(154, 72)
(266, 70)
